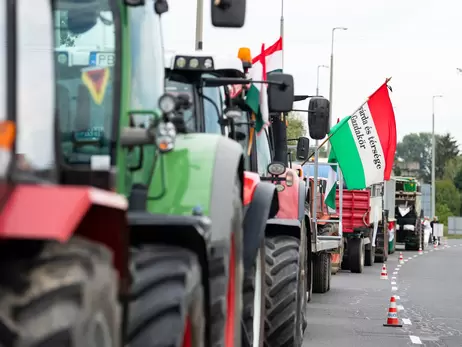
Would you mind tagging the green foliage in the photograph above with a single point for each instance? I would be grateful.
(296, 126)
(452, 167)
(66, 38)
(443, 212)
(447, 194)
(417, 147)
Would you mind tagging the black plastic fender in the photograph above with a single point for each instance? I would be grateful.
(264, 205)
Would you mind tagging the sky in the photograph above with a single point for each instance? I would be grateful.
(417, 43)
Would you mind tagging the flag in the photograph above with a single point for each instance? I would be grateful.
(365, 143)
(96, 80)
(268, 61)
(331, 184)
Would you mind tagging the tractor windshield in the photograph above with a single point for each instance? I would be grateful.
(85, 59)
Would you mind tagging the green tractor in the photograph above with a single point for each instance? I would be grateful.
(215, 92)
(179, 258)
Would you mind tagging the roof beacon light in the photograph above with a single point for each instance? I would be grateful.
(245, 55)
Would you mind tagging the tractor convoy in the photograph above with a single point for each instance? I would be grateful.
(141, 206)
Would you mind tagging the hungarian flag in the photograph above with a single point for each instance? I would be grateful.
(331, 184)
(268, 61)
(96, 80)
(364, 144)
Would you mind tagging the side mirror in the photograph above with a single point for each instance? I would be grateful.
(318, 118)
(281, 93)
(228, 13)
(303, 148)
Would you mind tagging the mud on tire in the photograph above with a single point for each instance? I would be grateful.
(283, 311)
(167, 295)
(64, 295)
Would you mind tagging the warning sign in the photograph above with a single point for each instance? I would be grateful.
(96, 80)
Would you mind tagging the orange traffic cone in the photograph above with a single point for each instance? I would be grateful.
(392, 319)
(420, 250)
(434, 244)
(384, 273)
(401, 259)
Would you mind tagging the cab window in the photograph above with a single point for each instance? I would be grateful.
(85, 89)
(263, 153)
(147, 60)
(176, 88)
(243, 136)
(213, 108)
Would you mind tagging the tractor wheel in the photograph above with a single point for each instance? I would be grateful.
(167, 298)
(285, 318)
(254, 301)
(369, 256)
(225, 278)
(356, 255)
(321, 272)
(63, 295)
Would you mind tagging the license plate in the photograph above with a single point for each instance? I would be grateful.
(102, 59)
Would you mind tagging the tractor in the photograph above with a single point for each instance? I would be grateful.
(114, 270)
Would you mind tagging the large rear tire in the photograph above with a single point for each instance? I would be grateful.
(167, 298)
(64, 295)
(284, 312)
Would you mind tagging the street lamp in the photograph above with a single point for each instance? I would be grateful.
(434, 155)
(331, 89)
(317, 78)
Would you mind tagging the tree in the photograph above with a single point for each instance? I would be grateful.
(66, 37)
(451, 169)
(417, 147)
(447, 194)
(446, 149)
(296, 127)
(443, 212)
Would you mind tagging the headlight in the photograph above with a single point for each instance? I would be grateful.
(167, 103)
(165, 137)
(276, 168)
(193, 63)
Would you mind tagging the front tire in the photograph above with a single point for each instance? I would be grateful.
(167, 298)
(321, 273)
(284, 311)
(65, 295)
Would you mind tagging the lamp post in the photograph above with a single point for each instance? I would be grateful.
(434, 155)
(317, 78)
(199, 24)
(331, 83)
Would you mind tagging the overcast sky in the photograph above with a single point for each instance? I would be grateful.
(418, 43)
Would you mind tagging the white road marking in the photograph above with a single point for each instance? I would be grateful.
(431, 250)
(397, 297)
(399, 265)
(393, 283)
(397, 269)
(394, 289)
(395, 273)
(400, 308)
(406, 321)
(415, 256)
(415, 339)
(393, 278)
(410, 258)
(406, 259)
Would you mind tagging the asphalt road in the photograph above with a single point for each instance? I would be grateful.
(429, 299)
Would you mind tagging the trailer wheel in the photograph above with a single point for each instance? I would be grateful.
(253, 313)
(369, 256)
(321, 271)
(356, 255)
(284, 313)
(65, 294)
(167, 298)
